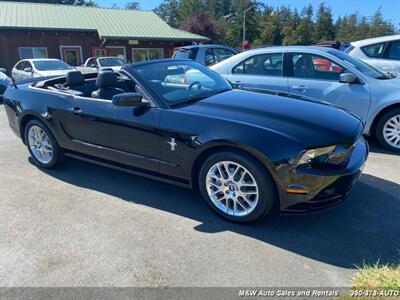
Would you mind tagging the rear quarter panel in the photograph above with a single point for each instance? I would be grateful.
(29, 102)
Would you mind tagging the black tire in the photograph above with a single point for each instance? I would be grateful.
(57, 156)
(380, 127)
(266, 185)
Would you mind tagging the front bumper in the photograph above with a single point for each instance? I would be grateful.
(325, 188)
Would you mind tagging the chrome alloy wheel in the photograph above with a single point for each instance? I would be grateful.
(391, 131)
(232, 188)
(40, 144)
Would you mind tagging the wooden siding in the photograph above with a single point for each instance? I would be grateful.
(12, 39)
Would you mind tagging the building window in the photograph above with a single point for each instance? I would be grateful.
(72, 55)
(116, 51)
(33, 52)
(140, 54)
(100, 52)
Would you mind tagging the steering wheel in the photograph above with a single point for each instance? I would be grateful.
(194, 84)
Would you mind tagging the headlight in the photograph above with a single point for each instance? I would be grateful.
(332, 155)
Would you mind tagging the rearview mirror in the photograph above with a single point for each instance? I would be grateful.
(128, 99)
(28, 70)
(347, 78)
(2, 70)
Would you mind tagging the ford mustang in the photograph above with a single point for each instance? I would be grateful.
(247, 153)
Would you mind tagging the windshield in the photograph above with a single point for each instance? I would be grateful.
(181, 82)
(360, 65)
(111, 62)
(51, 65)
(183, 53)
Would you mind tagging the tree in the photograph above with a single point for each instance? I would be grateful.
(201, 23)
(289, 27)
(305, 29)
(168, 11)
(379, 26)
(346, 27)
(234, 28)
(187, 8)
(324, 29)
(270, 27)
(133, 5)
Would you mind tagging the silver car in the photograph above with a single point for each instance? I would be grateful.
(381, 52)
(29, 68)
(326, 74)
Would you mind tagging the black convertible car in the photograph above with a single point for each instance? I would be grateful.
(246, 152)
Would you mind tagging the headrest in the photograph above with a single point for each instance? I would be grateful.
(75, 78)
(106, 79)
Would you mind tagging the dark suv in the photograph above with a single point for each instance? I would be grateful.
(207, 55)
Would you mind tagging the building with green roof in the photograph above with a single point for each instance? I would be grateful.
(74, 33)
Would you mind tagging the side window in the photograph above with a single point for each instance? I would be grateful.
(210, 59)
(28, 65)
(315, 67)
(92, 63)
(222, 54)
(374, 51)
(394, 52)
(270, 64)
(20, 66)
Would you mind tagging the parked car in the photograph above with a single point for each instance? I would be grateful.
(246, 157)
(96, 64)
(39, 67)
(5, 81)
(326, 74)
(381, 52)
(207, 55)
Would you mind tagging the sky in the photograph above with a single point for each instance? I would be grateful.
(390, 8)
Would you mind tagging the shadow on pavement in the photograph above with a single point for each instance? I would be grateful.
(365, 228)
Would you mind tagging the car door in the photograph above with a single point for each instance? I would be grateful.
(116, 133)
(318, 77)
(261, 71)
(392, 56)
(377, 54)
(18, 72)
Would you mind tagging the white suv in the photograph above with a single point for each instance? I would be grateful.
(381, 52)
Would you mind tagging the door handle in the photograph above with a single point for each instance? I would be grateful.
(301, 88)
(76, 111)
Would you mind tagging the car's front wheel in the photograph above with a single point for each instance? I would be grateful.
(388, 130)
(237, 187)
(42, 145)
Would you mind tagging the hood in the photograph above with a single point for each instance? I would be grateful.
(309, 123)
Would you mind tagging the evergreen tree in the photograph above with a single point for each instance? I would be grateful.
(324, 29)
(168, 11)
(305, 29)
(133, 5)
(187, 8)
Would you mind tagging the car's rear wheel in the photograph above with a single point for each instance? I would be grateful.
(388, 130)
(237, 187)
(42, 145)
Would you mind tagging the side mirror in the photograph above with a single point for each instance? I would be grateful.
(28, 70)
(128, 99)
(347, 78)
(2, 70)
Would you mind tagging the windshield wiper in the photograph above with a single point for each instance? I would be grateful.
(190, 100)
(199, 97)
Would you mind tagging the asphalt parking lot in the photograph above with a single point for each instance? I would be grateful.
(85, 225)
